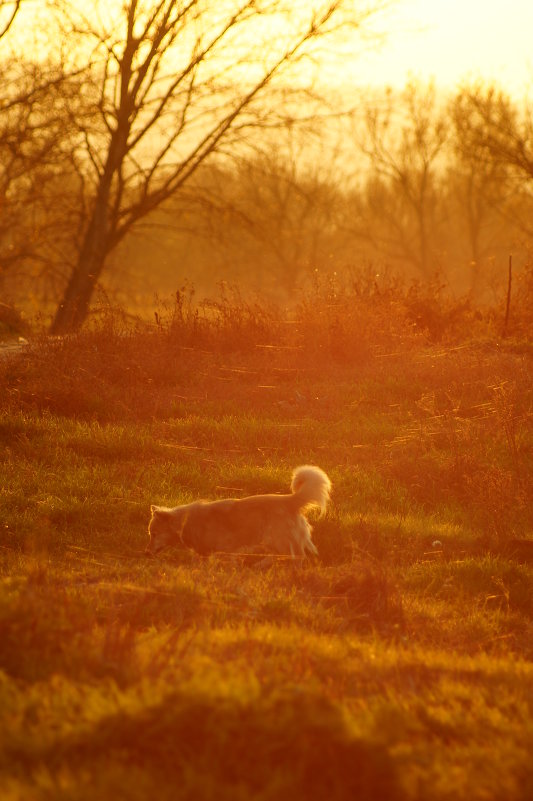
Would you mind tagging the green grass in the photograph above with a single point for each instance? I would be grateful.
(397, 665)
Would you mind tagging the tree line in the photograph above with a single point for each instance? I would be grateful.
(170, 139)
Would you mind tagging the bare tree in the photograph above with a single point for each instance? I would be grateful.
(33, 141)
(275, 210)
(178, 82)
(498, 128)
(35, 138)
(404, 139)
(498, 132)
(477, 188)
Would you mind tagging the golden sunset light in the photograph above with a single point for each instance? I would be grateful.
(266, 400)
(449, 42)
(392, 113)
(452, 42)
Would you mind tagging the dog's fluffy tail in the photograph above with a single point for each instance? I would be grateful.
(311, 486)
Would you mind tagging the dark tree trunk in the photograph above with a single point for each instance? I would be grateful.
(74, 307)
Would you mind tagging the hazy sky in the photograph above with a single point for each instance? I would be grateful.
(448, 40)
(452, 40)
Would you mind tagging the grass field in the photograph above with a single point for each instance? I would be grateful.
(397, 665)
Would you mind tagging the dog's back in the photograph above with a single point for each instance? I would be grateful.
(238, 523)
(258, 522)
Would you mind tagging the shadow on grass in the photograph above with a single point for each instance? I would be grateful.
(291, 745)
(86, 632)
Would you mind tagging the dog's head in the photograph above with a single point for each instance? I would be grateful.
(164, 529)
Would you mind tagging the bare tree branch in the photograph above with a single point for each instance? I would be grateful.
(174, 83)
(11, 9)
